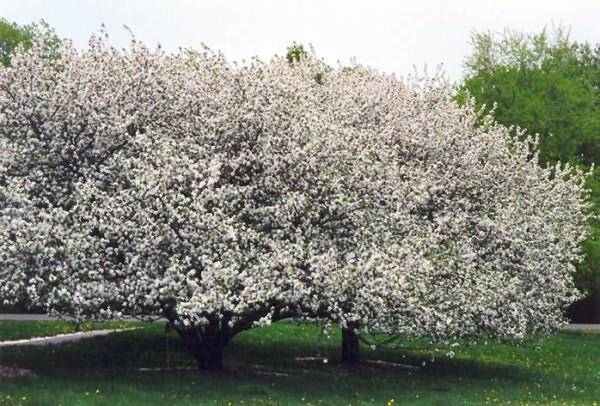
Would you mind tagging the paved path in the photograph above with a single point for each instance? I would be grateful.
(582, 327)
(43, 317)
(58, 339)
(25, 317)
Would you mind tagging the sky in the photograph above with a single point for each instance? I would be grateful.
(391, 36)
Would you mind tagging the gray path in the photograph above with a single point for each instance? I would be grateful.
(43, 317)
(59, 339)
(582, 327)
(25, 317)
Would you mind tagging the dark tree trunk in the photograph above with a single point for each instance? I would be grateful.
(206, 345)
(350, 345)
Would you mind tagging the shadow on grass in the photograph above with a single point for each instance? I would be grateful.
(277, 351)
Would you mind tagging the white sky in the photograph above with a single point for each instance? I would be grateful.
(389, 35)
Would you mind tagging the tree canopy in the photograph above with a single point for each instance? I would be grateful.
(224, 196)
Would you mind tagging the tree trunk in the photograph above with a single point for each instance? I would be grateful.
(350, 346)
(206, 346)
(206, 343)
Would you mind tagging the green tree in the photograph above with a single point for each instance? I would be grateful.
(549, 85)
(11, 36)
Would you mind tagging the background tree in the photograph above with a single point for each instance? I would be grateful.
(11, 36)
(549, 85)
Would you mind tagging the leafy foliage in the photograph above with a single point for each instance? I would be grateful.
(295, 53)
(11, 36)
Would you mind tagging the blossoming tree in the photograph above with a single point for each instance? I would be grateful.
(218, 196)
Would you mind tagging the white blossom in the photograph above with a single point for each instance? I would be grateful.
(134, 181)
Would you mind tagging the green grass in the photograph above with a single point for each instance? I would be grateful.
(563, 369)
(18, 330)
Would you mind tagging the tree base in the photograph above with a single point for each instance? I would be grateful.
(207, 347)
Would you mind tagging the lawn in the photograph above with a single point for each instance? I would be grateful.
(262, 368)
